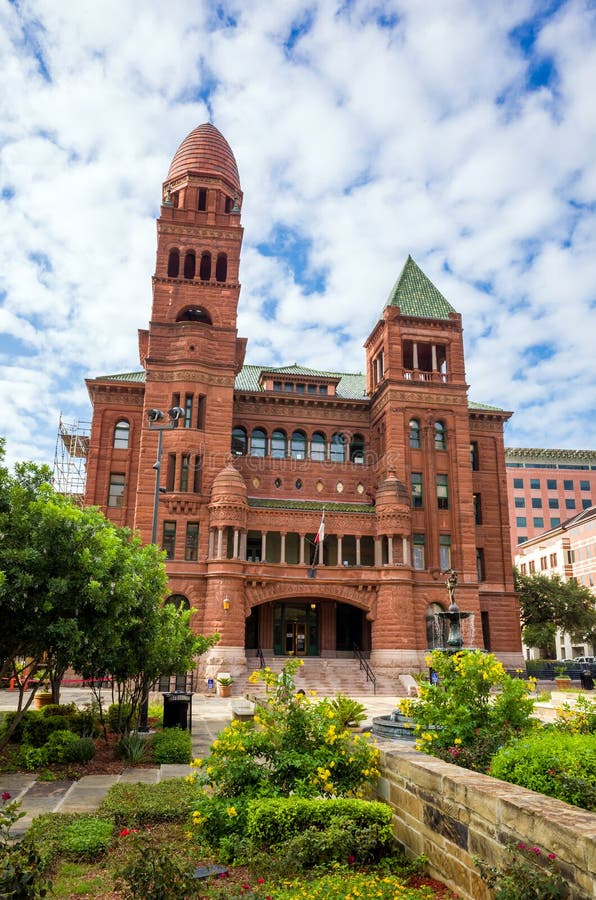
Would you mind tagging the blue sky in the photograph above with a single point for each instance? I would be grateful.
(460, 131)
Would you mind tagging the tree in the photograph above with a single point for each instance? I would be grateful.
(549, 604)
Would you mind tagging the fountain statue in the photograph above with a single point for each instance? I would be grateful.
(445, 634)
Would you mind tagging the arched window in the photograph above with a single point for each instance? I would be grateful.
(194, 314)
(279, 444)
(440, 436)
(121, 435)
(239, 441)
(357, 449)
(179, 601)
(173, 264)
(337, 450)
(318, 446)
(415, 434)
(221, 267)
(298, 445)
(205, 268)
(258, 442)
(190, 265)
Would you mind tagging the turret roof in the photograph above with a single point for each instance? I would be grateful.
(205, 151)
(415, 295)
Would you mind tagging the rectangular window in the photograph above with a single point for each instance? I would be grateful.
(322, 389)
(570, 557)
(480, 570)
(300, 388)
(277, 385)
(553, 560)
(536, 503)
(417, 498)
(418, 551)
(116, 490)
(445, 552)
(522, 538)
(521, 522)
(188, 410)
(191, 545)
(443, 491)
(519, 502)
(474, 457)
(584, 485)
(570, 503)
(201, 411)
(538, 522)
(543, 563)
(586, 504)
(535, 484)
(171, 472)
(523, 569)
(554, 522)
(197, 479)
(168, 542)
(175, 399)
(184, 467)
(202, 199)
(311, 389)
(288, 387)
(531, 567)
(553, 503)
(551, 484)
(477, 509)
(568, 485)
(518, 483)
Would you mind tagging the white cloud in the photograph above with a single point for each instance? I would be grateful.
(384, 129)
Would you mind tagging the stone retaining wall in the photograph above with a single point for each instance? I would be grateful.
(451, 814)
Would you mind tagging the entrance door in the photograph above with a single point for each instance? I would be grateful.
(296, 638)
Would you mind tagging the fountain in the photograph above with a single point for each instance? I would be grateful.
(444, 630)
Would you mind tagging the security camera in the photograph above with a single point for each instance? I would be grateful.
(154, 415)
(175, 413)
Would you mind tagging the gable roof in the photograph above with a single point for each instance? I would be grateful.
(349, 387)
(415, 295)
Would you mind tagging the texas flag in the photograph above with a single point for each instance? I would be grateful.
(320, 536)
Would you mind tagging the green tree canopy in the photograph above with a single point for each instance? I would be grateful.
(548, 603)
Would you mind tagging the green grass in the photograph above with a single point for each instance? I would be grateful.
(81, 880)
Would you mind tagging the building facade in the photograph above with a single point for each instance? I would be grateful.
(303, 512)
(569, 550)
(547, 487)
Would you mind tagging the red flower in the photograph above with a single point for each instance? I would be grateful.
(246, 887)
(351, 859)
(260, 881)
(536, 850)
(6, 795)
(124, 832)
(552, 856)
(521, 846)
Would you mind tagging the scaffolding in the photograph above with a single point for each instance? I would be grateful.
(70, 459)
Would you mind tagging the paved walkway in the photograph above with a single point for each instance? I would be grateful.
(210, 715)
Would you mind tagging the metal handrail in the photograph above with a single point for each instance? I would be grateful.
(370, 675)
(261, 657)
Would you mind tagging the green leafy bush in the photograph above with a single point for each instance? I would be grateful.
(17, 735)
(553, 763)
(173, 745)
(31, 758)
(529, 874)
(474, 698)
(154, 872)
(65, 746)
(579, 718)
(87, 838)
(138, 804)
(37, 732)
(68, 710)
(20, 873)
(119, 717)
(46, 834)
(348, 712)
(132, 747)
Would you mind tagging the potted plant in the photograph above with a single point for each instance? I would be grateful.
(225, 682)
(562, 678)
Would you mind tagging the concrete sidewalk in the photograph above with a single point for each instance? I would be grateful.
(210, 714)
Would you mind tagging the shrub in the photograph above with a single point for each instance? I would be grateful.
(37, 732)
(17, 735)
(132, 747)
(46, 834)
(87, 838)
(65, 746)
(20, 874)
(528, 874)
(167, 801)
(31, 758)
(578, 719)
(84, 724)
(68, 710)
(464, 705)
(155, 873)
(556, 764)
(174, 745)
(293, 745)
(348, 713)
(119, 717)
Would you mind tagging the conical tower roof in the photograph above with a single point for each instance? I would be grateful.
(205, 151)
(415, 295)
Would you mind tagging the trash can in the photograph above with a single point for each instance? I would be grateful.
(586, 680)
(177, 710)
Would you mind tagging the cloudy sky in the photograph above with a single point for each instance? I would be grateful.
(460, 131)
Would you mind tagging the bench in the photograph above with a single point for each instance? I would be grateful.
(410, 685)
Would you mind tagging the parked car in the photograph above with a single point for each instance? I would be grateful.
(583, 660)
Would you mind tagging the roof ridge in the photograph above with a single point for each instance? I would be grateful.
(415, 294)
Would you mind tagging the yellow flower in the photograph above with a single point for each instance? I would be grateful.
(231, 811)
(457, 741)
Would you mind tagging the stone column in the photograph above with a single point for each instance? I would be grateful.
(263, 546)
(282, 552)
(340, 555)
(243, 545)
(390, 549)
(236, 544)
(357, 551)
(378, 552)
(415, 355)
(301, 549)
(220, 532)
(211, 542)
(406, 551)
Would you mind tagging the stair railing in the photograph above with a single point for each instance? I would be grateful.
(370, 675)
(261, 657)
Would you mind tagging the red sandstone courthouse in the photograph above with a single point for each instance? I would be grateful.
(409, 473)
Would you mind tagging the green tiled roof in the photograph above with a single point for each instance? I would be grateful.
(473, 405)
(545, 454)
(138, 377)
(309, 505)
(350, 386)
(416, 295)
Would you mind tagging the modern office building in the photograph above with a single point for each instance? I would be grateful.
(547, 487)
(303, 512)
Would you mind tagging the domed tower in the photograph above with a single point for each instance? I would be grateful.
(191, 351)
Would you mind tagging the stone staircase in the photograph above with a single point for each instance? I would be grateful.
(326, 676)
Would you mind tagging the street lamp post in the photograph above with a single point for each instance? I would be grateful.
(154, 417)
